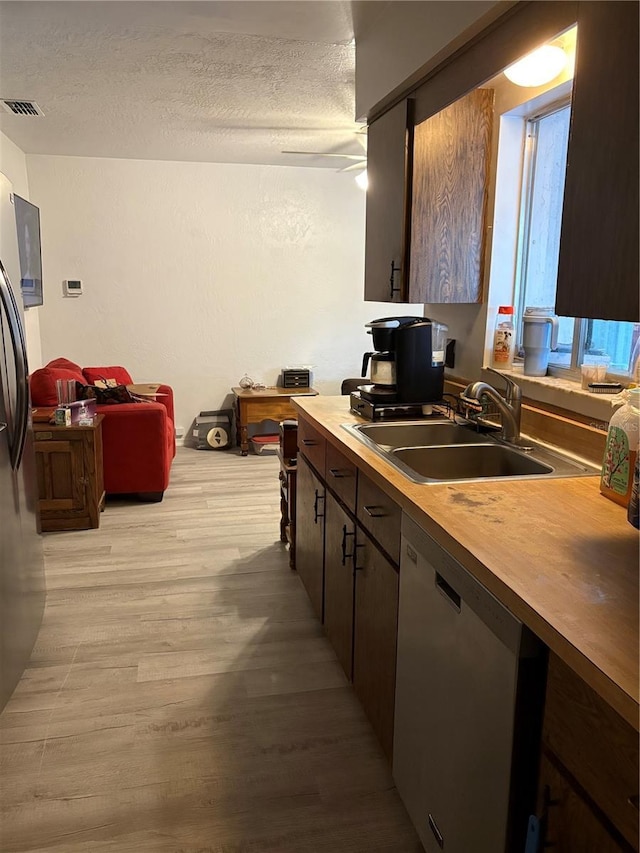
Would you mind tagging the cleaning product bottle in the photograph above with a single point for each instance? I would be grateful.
(504, 338)
(621, 448)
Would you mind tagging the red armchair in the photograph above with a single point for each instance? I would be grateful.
(138, 438)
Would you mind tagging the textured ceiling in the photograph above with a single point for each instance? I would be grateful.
(231, 82)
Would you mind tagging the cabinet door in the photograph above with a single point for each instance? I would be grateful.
(450, 179)
(375, 638)
(598, 264)
(60, 473)
(338, 582)
(568, 824)
(310, 497)
(389, 157)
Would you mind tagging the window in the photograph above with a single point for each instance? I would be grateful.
(543, 176)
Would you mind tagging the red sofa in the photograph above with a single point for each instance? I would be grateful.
(138, 438)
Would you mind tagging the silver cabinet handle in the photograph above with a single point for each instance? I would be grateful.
(3, 426)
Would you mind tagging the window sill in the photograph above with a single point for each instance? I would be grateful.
(562, 393)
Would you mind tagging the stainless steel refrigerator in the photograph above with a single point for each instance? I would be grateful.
(21, 560)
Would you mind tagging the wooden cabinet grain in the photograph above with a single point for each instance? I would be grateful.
(69, 475)
(309, 546)
(598, 263)
(389, 159)
(449, 200)
(589, 771)
(569, 825)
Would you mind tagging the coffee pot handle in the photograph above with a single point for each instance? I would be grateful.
(365, 363)
(555, 326)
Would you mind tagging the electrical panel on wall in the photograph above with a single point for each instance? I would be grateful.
(72, 287)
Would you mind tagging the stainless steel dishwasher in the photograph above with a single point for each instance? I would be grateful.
(469, 695)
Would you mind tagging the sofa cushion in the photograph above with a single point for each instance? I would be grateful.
(65, 364)
(42, 384)
(120, 374)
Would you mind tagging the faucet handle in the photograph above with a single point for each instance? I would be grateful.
(513, 390)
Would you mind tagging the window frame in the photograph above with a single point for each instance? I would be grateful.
(531, 126)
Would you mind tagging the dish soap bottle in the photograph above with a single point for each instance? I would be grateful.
(504, 338)
(621, 448)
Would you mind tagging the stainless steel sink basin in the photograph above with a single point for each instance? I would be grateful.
(411, 434)
(443, 451)
(468, 462)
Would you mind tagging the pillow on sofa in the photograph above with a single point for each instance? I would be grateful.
(42, 384)
(116, 373)
(65, 364)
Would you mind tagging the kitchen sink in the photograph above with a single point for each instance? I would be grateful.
(468, 462)
(444, 451)
(438, 433)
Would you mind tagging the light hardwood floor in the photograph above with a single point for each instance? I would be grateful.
(181, 697)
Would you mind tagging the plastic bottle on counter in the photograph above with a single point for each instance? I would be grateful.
(504, 338)
(621, 449)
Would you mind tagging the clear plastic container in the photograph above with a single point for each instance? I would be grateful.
(621, 449)
(504, 339)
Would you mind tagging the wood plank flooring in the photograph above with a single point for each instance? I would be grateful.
(182, 698)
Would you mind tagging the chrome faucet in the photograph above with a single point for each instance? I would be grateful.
(509, 406)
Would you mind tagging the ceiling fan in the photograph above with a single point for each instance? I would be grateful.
(359, 165)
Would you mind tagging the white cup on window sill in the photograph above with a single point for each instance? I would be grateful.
(594, 369)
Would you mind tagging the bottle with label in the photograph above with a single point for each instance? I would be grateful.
(504, 338)
(621, 449)
(633, 513)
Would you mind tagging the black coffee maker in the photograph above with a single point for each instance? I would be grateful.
(408, 367)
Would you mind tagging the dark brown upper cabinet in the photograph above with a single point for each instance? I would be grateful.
(389, 157)
(598, 265)
(450, 178)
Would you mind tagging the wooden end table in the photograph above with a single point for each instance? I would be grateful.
(272, 404)
(69, 475)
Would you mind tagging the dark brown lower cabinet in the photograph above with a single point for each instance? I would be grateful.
(375, 637)
(310, 499)
(568, 823)
(339, 545)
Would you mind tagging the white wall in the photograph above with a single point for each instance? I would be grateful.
(197, 273)
(13, 164)
(395, 38)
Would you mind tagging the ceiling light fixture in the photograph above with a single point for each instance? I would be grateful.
(361, 180)
(538, 67)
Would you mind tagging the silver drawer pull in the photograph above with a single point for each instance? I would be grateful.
(309, 442)
(338, 473)
(370, 511)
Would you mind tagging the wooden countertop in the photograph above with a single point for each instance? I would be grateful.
(560, 556)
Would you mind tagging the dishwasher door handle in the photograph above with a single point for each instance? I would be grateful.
(448, 592)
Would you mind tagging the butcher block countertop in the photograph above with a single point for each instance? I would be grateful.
(560, 556)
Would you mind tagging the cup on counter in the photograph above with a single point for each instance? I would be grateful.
(65, 391)
(594, 369)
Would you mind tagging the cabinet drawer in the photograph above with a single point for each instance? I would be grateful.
(380, 516)
(312, 445)
(596, 746)
(342, 477)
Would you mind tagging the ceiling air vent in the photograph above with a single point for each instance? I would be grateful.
(21, 108)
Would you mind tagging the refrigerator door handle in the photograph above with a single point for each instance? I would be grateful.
(20, 356)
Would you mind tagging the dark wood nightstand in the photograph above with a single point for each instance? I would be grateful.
(69, 475)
